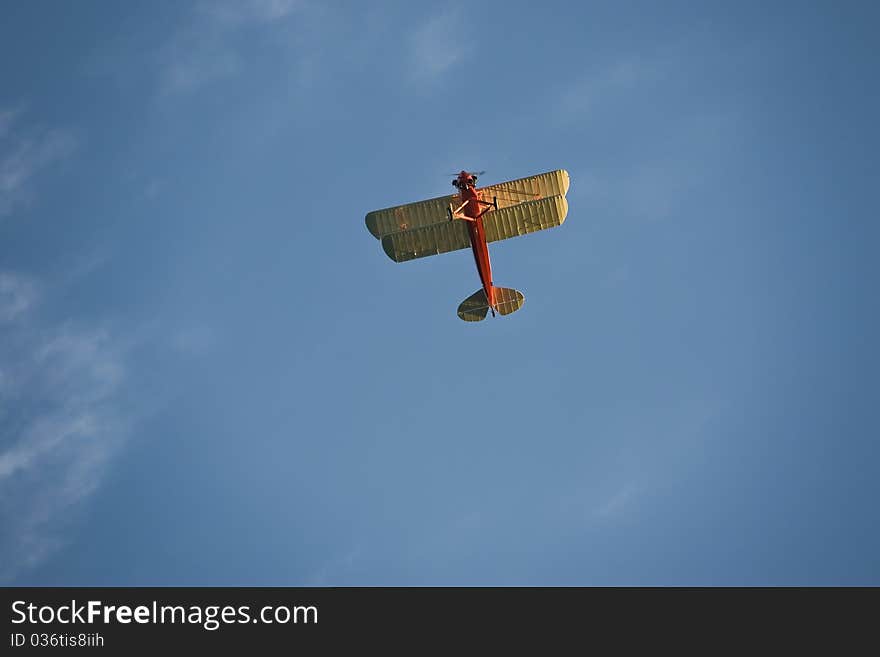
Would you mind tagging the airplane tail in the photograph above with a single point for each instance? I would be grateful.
(475, 307)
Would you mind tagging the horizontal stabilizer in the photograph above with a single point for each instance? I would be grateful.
(475, 307)
(508, 300)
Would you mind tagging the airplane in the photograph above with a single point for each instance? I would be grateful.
(470, 219)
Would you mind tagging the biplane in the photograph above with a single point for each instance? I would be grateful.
(473, 218)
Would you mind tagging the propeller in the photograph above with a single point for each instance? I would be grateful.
(473, 173)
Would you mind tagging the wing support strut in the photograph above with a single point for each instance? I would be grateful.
(456, 214)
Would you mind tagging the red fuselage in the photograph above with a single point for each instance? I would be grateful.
(473, 207)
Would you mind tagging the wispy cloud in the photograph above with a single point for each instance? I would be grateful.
(667, 171)
(618, 502)
(205, 50)
(437, 46)
(7, 118)
(17, 295)
(336, 570)
(58, 423)
(608, 83)
(239, 12)
(153, 188)
(196, 64)
(24, 153)
(194, 340)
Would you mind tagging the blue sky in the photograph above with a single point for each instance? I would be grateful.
(210, 374)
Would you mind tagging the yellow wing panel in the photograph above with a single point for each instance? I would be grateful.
(542, 185)
(525, 218)
(406, 217)
(426, 213)
(427, 241)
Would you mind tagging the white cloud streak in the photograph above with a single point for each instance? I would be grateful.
(240, 12)
(617, 503)
(7, 118)
(337, 569)
(58, 424)
(24, 153)
(608, 84)
(203, 51)
(436, 47)
(17, 295)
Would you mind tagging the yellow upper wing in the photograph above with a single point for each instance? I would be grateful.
(425, 213)
(542, 185)
(406, 217)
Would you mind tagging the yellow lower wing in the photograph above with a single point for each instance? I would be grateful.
(525, 218)
(446, 236)
(427, 241)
